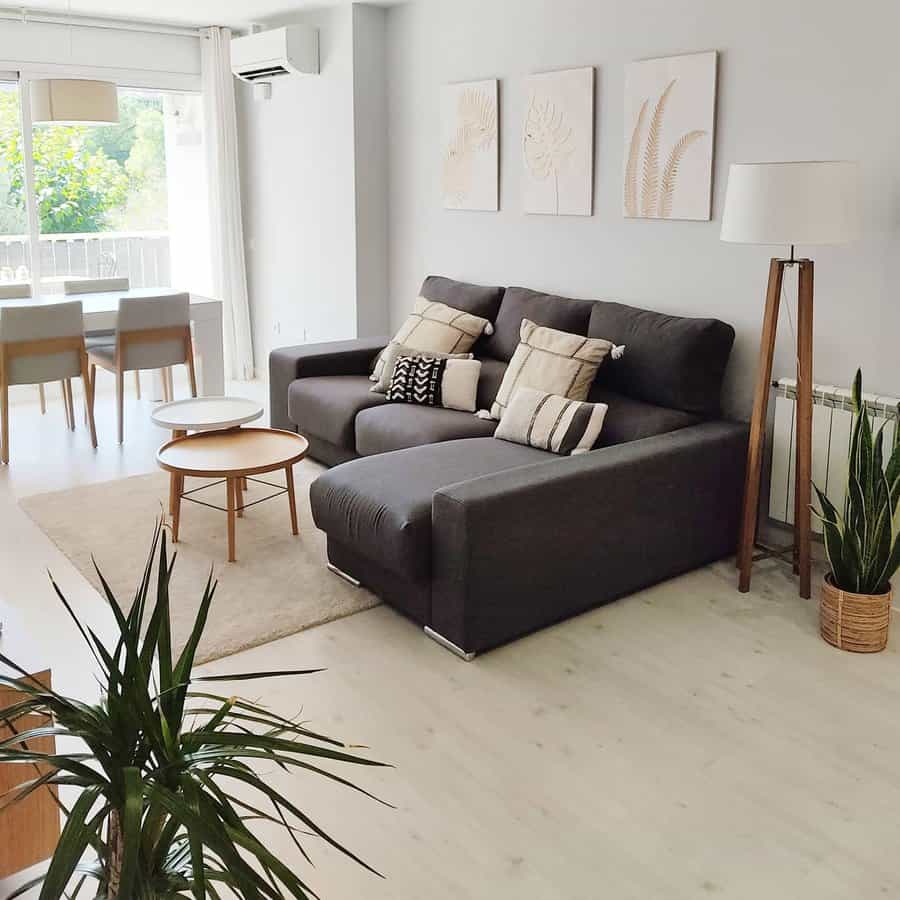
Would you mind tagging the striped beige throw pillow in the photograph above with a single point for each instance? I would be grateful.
(550, 422)
(556, 362)
(437, 328)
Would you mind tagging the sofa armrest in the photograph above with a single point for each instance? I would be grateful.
(308, 360)
(521, 549)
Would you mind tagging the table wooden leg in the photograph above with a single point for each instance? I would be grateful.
(239, 496)
(175, 488)
(232, 491)
(292, 500)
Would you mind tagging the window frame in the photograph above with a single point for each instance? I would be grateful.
(159, 83)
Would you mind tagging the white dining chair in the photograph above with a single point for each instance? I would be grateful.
(21, 290)
(40, 344)
(151, 333)
(96, 286)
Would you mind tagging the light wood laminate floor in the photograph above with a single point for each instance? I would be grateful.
(685, 742)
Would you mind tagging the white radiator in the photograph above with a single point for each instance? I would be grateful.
(832, 421)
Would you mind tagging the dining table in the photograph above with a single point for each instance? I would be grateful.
(100, 310)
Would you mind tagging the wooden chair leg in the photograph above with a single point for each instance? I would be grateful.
(232, 491)
(137, 383)
(71, 402)
(4, 422)
(42, 394)
(170, 382)
(189, 361)
(292, 500)
(65, 403)
(120, 405)
(88, 401)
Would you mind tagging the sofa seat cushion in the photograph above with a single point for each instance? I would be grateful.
(628, 419)
(381, 505)
(326, 407)
(396, 426)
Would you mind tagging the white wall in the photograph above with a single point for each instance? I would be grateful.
(800, 80)
(308, 187)
(371, 167)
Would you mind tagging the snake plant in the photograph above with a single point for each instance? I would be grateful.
(863, 544)
(166, 790)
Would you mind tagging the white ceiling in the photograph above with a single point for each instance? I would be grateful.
(196, 12)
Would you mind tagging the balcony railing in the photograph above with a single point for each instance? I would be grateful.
(142, 257)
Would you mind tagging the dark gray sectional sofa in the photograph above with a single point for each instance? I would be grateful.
(481, 540)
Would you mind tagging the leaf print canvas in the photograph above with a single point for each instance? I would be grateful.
(558, 143)
(469, 146)
(669, 137)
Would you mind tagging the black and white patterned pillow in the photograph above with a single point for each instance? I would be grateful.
(417, 379)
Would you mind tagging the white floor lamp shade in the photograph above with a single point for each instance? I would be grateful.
(74, 101)
(791, 203)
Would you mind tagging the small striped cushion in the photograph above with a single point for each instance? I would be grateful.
(550, 422)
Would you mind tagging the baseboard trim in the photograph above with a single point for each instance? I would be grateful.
(342, 574)
(449, 645)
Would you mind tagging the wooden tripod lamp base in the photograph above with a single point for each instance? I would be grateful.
(803, 444)
(786, 203)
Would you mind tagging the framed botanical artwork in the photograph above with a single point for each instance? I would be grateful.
(470, 163)
(558, 143)
(670, 108)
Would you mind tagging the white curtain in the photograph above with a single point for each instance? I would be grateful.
(226, 226)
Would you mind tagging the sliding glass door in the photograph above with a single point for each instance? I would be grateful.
(126, 200)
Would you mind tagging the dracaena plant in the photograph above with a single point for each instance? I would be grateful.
(167, 792)
(863, 544)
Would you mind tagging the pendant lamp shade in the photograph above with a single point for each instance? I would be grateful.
(791, 203)
(74, 101)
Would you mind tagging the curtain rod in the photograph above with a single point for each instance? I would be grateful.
(44, 18)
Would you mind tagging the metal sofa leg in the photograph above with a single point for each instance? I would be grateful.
(342, 574)
(449, 645)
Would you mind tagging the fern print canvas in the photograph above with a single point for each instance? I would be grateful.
(469, 146)
(669, 137)
(558, 143)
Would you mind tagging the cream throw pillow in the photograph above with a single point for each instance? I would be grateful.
(550, 422)
(436, 327)
(552, 361)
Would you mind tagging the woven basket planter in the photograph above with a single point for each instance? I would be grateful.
(856, 622)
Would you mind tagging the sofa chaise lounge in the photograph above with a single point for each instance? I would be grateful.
(481, 540)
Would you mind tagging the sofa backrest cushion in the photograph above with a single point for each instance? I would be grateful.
(669, 361)
(471, 298)
(521, 303)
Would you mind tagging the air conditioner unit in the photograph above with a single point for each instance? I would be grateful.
(293, 50)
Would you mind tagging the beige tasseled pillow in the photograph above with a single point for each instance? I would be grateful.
(552, 361)
(437, 328)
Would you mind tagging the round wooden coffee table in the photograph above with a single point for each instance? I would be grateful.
(234, 455)
(204, 414)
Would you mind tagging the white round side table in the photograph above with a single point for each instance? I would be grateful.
(206, 414)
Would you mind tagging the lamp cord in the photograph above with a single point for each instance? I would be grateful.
(787, 308)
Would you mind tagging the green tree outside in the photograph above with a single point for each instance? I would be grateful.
(87, 179)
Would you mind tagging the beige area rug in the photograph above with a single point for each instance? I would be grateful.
(278, 586)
